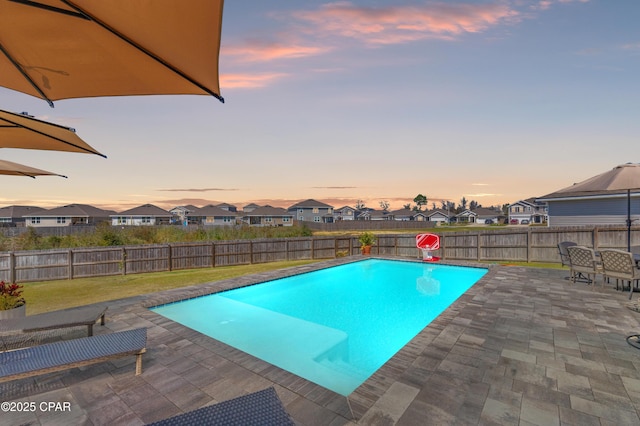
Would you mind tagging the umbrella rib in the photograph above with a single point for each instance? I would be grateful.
(142, 49)
(25, 75)
(55, 138)
(50, 8)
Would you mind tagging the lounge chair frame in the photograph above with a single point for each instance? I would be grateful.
(67, 354)
(74, 317)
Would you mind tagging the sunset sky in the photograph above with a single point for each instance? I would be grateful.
(494, 101)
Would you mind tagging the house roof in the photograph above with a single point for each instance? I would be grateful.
(403, 212)
(225, 205)
(72, 210)
(211, 210)
(345, 207)
(485, 212)
(252, 205)
(268, 211)
(527, 202)
(18, 211)
(145, 210)
(435, 212)
(310, 203)
(187, 208)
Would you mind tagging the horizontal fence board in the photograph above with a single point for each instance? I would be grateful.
(534, 244)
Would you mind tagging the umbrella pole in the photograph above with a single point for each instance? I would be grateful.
(628, 220)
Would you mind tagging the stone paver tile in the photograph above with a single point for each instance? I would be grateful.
(505, 394)
(520, 356)
(496, 412)
(153, 410)
(105, 415)
(305, 412)
(539, 413)
(392, 404)
(571, 383)
(571, 417)
(633, 388)
(597, 409)
(422, 413)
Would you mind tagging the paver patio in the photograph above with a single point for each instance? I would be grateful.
(521, 347)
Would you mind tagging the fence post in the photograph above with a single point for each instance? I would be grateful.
(170, 259)
(70, 273)
(478, 246)
(250, 252)
(395, 243)
(528, 245)
(286, 248)
(12, 267)
(124, 261)
(213, 254)
(313, 256)
(594, 238)
(442, 245)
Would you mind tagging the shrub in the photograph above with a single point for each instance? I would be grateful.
(10, 296)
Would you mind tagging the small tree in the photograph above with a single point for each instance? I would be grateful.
(420, 201)
(406, 206)
(360, 205)
(384, 205)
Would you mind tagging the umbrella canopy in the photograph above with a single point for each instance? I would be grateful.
(15, 169)
(25, 132)
(621, 179)
(61, 49)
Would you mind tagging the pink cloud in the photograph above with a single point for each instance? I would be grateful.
(248, 81)
(400, 24)
(259, 51)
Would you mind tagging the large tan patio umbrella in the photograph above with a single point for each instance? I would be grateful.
(16, 169)
(59, 49)
(621, 179)
(25, 132)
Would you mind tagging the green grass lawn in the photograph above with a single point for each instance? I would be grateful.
(48, 296)
(45, 296)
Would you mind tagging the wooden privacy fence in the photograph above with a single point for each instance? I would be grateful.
(511, 244)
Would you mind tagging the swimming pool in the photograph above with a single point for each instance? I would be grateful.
(335, 326)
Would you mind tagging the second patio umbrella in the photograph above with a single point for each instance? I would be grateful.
(621, 179)
(16, 169)
(61, 49)
(25, 132)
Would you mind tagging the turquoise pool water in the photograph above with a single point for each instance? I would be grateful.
(334, 327)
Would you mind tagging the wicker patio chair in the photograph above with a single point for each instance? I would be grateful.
(584, 263)
(564, 254)
(620, 265)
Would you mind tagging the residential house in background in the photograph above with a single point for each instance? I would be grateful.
(249, 208)
(211, 215)
(485, 215)
(530, 209)
(437, 215)
(228, 207)
(69, 215)
(344, 213)
(268, 216)
(14, 215)
(180, 213)
(408, 214)
(591, 208)
(465, 216)
(312, 211)
(147, 214)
